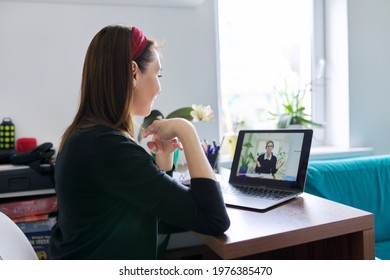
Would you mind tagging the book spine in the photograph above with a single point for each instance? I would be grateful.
(40, 244)
(38, 233)
(31, 218)
(32, 207)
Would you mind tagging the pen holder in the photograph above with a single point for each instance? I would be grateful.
(213, 160)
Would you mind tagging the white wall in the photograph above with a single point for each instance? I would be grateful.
(369, 73)
(336, 82)
(357, 69)
(42, 48)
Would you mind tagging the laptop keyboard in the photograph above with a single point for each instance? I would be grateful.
(256, 192)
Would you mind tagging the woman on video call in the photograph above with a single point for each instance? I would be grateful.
(111, 192)
(267, 162)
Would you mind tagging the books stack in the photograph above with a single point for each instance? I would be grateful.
(35, 216)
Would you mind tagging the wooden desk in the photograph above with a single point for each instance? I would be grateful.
(307, 227)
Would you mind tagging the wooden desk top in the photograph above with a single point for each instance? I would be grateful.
(301, 220)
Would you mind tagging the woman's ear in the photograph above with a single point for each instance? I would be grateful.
(134, 72)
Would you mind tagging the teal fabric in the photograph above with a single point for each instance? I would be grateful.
(362, 183)
(382, 250)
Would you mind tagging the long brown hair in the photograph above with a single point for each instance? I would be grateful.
(106, 86)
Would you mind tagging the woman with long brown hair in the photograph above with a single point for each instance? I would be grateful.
(111, 192)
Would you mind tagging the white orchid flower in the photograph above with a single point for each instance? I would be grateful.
(201, 113)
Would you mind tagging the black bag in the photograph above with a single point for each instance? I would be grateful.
(38, 159)
(5, 156)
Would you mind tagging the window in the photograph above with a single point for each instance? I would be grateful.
(265, 47)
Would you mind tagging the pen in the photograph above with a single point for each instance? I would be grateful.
(223, 138)
(204, 147)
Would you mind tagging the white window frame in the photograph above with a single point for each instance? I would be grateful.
(318, 70)
(318, 73)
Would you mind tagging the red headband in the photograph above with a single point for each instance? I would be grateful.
(139, 42)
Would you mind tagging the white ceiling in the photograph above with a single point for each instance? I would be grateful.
(161, 3)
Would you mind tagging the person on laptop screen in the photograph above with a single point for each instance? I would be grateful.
(268, 163)
(112, 195)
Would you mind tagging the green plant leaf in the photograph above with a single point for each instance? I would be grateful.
(246, 159)
(154, 115)
(184, 113)
(289, 108)
(248, 145)
(300, 111)
(293, 111)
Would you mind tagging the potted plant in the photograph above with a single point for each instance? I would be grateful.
(195, 113)
(293, 110)
(246, 159)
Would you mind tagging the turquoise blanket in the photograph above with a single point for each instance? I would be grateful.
(362, 183)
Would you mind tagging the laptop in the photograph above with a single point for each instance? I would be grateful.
(269, 167)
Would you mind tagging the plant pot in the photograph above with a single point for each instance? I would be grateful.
(243, 169)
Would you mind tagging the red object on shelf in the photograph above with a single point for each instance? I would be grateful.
(31, 207)
(25, 144)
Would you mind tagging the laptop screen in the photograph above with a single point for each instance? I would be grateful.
(272, 158)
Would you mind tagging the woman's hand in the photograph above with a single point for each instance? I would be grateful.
(158, 146)
(164, 135)
(164, 142)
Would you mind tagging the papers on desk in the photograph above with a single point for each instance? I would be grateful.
(182, 177)
(258, 175)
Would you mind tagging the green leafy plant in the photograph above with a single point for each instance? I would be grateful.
(247, 158)
(195, 113)
(293, 110)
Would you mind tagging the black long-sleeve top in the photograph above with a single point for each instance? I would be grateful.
(266, 165)
(111, 195)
